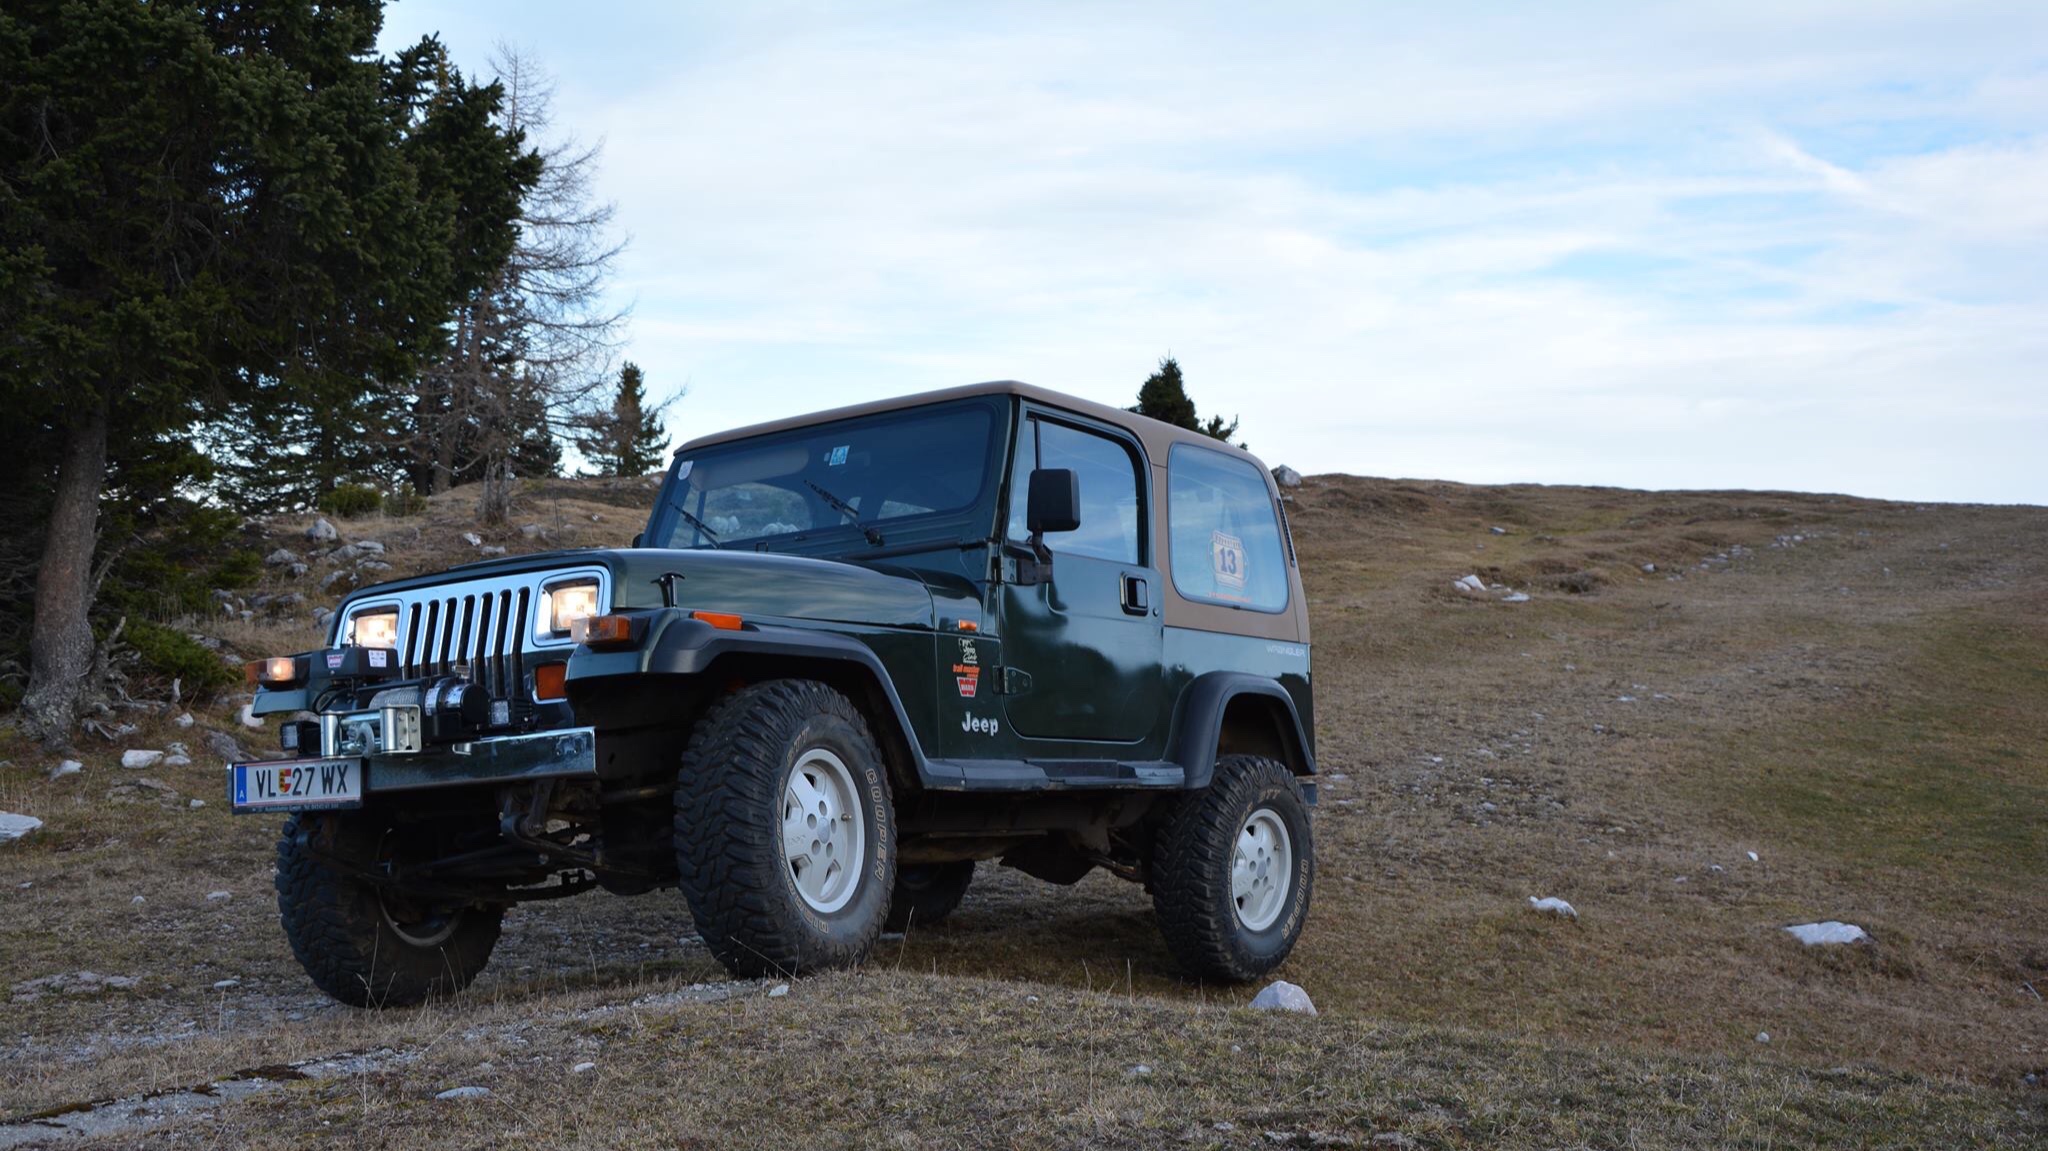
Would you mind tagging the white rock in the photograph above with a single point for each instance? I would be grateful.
(1763, 1037)
(465, 1093)
(1140, 1071)
(1281, 995)
(1471, 584)
(1551, 905)
(219, 896)
(374, 547)
(141, 757)
(138, 901)
(13, 827)
(196, 804)
(778, 991)
(532, 531)
(1515, 597)
(1286, 477)
(1752, 857)
(581, 1068)
(224, 984)
(66, 767)
(322, 530)
(472, 539)
(494, 550)
(281, 557)
(1499, 531)
(1650, 569)
(1830, 932)
(184, 720)
(177, 761)
(249, 717)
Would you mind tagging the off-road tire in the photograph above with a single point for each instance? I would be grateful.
(1193, 852)
(926, 893)
(341, 933)
(729, 854)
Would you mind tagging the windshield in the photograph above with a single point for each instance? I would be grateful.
(868, 482)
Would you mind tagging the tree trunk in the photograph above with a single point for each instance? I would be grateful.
(496, 504)
(60, 640)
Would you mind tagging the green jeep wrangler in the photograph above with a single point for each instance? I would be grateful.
(851, 654)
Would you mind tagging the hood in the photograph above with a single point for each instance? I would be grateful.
(747, 583)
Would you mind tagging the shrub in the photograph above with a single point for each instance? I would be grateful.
(352, 500)
(405, 502)
(164, 654)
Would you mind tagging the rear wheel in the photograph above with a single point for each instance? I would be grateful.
(367, 945)
(785, 837)
(926, 893)
(1232, 871)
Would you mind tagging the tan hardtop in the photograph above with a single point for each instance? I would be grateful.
(1158, 438)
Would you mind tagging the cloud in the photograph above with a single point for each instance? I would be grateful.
(1762, 246)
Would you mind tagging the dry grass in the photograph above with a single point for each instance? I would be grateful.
(1864, 708)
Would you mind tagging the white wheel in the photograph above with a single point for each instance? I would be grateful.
(824, 838)
(1261, 869)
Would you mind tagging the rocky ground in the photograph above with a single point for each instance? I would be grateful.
(1714, 716)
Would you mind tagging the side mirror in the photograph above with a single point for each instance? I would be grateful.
(637, 537)
(1054, 502)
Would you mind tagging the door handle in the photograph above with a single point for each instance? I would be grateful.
(1136, 601)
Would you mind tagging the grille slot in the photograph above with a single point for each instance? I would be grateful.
(479, 631)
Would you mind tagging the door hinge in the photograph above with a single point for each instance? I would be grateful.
(1014, 681)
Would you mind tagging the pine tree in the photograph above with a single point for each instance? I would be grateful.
(628, 440)
(1164, 397)
(199, 202)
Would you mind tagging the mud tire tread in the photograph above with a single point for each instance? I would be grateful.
(1191, 871)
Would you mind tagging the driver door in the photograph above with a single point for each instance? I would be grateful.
(1081, 648)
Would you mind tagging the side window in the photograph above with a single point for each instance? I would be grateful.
(1108, 475)
(1223, 531)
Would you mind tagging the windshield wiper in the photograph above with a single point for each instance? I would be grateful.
(703, 528)
(846, 509)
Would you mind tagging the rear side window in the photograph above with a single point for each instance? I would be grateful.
(1223, 531)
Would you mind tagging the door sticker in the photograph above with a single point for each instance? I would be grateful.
(967, 673)
(1226, 555)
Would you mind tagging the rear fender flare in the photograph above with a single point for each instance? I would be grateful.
(1198, 723)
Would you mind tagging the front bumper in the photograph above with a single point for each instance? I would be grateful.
(564, 753)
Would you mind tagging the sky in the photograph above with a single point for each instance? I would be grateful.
(1778, 245)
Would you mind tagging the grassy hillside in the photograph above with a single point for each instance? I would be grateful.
(1852, 690)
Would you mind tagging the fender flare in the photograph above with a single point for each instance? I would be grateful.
(683, 646)
(1198, 724)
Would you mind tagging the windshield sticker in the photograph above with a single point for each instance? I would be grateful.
(1226, 553)
(683, 470)
(836, 457)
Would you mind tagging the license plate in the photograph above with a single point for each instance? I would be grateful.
(296, 785)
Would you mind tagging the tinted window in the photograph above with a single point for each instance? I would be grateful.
(1108, 476)
(882, 469)
(1223, 531)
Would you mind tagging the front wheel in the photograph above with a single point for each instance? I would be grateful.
(785, 836)
(1232, 870)
(364, 944)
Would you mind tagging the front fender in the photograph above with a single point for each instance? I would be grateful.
(678, 644)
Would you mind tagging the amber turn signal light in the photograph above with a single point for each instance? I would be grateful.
(723, 621)
(603, 631)
(278, 671)
(551, 682)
